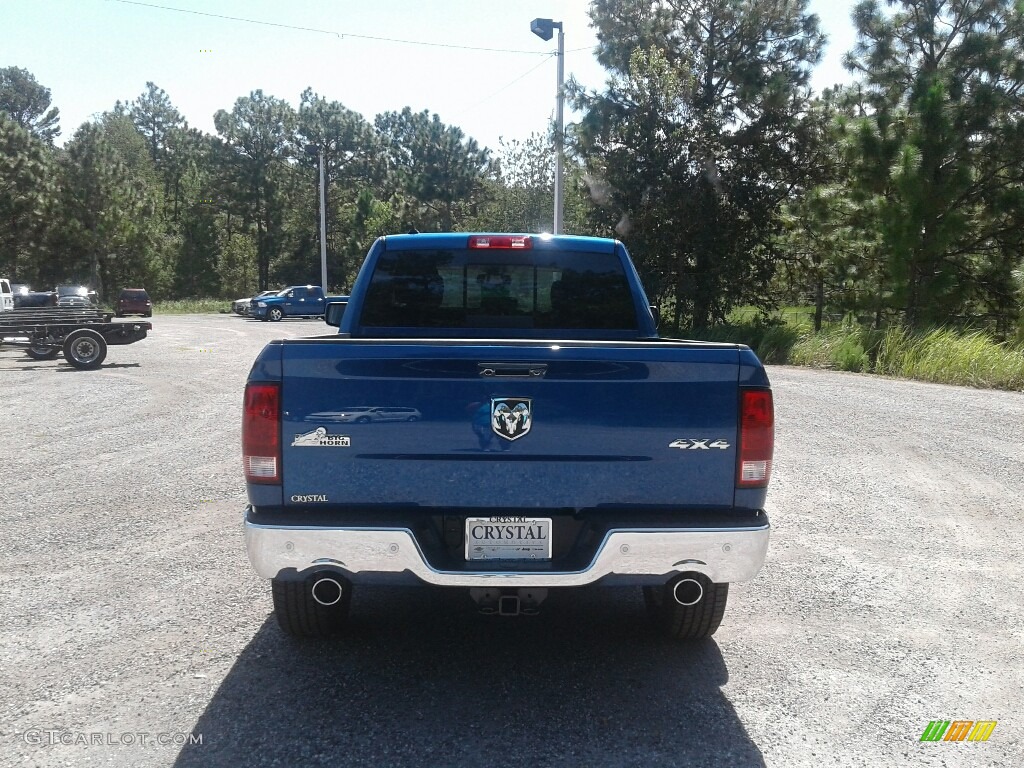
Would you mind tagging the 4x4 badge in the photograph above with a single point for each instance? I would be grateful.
(511, 417)
(699, 445)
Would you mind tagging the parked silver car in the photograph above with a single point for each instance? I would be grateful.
(364, 414)
(80, 302)
(241, 306)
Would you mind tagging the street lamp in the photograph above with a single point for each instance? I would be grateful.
(310, 150)
(544, 29)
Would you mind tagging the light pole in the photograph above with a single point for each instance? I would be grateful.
(544, 28)
(323, 217)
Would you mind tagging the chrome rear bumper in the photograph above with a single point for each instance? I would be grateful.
(382, 555)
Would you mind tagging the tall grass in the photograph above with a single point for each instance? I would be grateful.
(847, 348)
(771, 342)
(971, 359)
(942, 355)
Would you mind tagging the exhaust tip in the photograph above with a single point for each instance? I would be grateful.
(327, 590)
(687, 591)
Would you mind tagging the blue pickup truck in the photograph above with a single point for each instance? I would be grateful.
(293, 301)
(557, 440)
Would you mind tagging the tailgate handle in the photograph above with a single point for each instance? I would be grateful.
(514, 370)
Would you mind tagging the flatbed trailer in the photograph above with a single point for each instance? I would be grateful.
(82, 334)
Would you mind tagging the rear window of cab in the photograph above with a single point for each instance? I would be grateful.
(472, 288)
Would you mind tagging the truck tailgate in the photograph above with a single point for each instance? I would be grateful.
(386, 422)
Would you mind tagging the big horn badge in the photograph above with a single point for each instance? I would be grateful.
(511, 417)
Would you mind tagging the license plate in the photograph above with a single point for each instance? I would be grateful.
(508, 538)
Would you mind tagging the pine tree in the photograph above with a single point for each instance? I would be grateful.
(258, 137)
(436, 167)
(939, 147)
(698, 140)
(27, 103)
(27, 195)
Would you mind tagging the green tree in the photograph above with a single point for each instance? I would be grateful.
(699, 140)
(108, 234)
(939, 148)
(519, 191)
(155, 117)
(436, 169)
(829, 250)
(129, 145)
(354, 168)
(236, 265)
(198, 218)
(27, 103)
(167, 140)
(258, 137)
(26, 200)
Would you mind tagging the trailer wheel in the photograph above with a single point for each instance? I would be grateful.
(85, 349)
(42, 352)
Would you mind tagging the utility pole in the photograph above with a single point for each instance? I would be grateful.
(323, 216)
(544, 29)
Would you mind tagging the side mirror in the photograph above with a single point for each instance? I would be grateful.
(656, 314)
(335, 311)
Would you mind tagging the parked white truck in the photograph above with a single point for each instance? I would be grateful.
(6, 295)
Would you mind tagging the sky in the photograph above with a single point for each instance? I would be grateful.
(92, 53)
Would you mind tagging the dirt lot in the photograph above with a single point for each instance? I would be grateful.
(132, 627)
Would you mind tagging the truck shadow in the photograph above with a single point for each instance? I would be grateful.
(423, 679)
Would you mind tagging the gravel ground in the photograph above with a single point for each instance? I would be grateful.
(893, 595)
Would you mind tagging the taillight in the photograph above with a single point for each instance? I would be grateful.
(261, 433)
(501, 241)
(757, 438)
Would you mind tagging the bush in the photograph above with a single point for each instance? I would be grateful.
(850, 356)
(776, 344)
(191, 306)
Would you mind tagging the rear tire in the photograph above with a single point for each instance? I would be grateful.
(299, 615)
(85, 349)
(42, 353)
(687, 622)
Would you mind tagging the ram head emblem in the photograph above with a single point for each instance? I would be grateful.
(511, 417)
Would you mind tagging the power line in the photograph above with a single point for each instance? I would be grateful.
(339, 35)
(505, 87)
